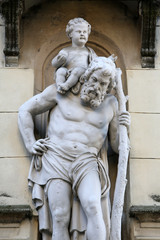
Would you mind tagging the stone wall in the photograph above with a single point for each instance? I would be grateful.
(114, 30)
(18, 219)
(144, 163)
(16, 86)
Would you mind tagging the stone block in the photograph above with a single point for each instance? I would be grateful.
(145, 231)
(143, 90)
(27, 230)
(13, 181)
(144, 182)
(11, 141)
(16, 87)
(144, 135)
(15, 231)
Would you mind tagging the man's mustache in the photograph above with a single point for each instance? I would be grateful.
(92, 92)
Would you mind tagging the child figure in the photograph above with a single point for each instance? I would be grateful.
(71, 62)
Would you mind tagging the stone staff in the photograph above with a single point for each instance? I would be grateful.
(118, 201)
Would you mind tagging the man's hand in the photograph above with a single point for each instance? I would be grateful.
(125, 119)
(39, 147)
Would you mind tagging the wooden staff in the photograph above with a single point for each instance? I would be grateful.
(118, 201)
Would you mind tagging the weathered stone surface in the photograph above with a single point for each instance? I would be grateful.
(157, 44)
(26, 230)
(143, 91)
(12, 143)
(17, 85)
(144, 135)
(144, 179)
(43, 25)
(12, 11)
(13, 181)
(144, 230)
(2, 40)
(14, 213)
(149, 11)
(145, 213)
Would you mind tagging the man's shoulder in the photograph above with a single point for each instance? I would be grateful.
(111, 100)
(50, 92)
(41, 102)
(50, 88)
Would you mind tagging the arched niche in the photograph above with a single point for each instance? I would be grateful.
(102, 45)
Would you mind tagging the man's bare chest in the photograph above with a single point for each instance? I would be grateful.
(76, 112)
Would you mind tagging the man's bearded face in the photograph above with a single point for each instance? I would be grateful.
(95, 89)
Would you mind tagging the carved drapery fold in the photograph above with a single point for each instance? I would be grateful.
(150, 10)
(12, 11)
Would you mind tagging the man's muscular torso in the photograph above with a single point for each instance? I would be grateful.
(71, 122)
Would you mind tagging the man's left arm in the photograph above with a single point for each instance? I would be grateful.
(118, 119)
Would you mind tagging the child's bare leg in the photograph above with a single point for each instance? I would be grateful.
(60, 78)
(73, 78)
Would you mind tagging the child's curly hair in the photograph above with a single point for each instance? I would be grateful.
(73, 22)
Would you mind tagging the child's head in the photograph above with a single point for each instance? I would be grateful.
(76, 21)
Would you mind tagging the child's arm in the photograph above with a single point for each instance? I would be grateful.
(60, 59)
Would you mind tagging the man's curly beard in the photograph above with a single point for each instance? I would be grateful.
(91, 96)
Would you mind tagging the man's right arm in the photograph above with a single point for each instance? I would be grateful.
(38, 104)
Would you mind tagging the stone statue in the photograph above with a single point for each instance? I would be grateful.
(68, 173)
(71, 62)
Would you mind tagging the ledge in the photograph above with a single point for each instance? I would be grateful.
(14, 213)
(145, 213)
